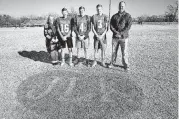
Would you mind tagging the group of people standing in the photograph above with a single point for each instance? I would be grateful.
(58, 33)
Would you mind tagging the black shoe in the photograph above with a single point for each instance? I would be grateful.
(87, 63)
(126, 68)
(55, 62)
(76, 61)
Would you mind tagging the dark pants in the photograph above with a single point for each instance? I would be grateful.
(52, 49)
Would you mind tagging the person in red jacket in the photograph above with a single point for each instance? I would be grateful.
(51, 40)
(120, 25)
(82, 27)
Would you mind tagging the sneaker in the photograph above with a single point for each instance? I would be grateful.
(55, 62)
(62, 63)
(103, 64)
(71, 64)
(76, 61)
(111, 65)
(126, 68)
(94, 64)
(87, 63)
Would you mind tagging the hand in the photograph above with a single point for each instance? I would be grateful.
(48, 37)
(118, 36)
(64, 38)
(49, 31)
(101, 37)
(54, 40)
(81, 37)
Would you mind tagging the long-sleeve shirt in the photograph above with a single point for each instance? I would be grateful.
(49, 31)
(120, 24)
(82, 25)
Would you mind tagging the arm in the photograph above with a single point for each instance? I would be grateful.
(105, 30)
(46, 34)
(88, 28)
(106, 26)
(112, 26)
(75, 27)
(127, 26)
(69, 34)
(94, 31)
(60, 33)
(45, 29)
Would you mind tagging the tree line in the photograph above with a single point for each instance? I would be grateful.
(171, 15)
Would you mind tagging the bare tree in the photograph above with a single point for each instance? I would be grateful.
(72, 12)
(172, 12)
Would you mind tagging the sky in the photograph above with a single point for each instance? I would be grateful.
(136, 8)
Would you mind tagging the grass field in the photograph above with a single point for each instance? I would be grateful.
(31, 88)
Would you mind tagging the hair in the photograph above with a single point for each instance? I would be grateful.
(48, 19)
(81, 8)
(122, 2)
(64, 9)
(99, 5)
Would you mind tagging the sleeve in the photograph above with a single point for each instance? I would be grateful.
(127, 25)
(45, 30)
(112, 24)
(75, 26)
(92, 19)
(72, 23)
(56, 23)
(106, 19)
(88, 27)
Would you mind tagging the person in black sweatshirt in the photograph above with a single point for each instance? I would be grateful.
(120, 25)
(52, 44)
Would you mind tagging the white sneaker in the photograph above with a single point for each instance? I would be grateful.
(111, 65)
(55, 62)
(94, 64)
(71, 64)
(62, 63)
(103, 64)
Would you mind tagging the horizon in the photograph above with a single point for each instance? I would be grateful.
(27, 8)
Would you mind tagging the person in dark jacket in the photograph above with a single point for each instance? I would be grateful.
(51, 40)
(120, 25)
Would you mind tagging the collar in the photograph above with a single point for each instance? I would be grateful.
(120, 14)
(100, 15)
(81, 16)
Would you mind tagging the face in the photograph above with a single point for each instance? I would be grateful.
(82, 11)
(65, 13)
(51, 19)
(122, 7)
(99, 10)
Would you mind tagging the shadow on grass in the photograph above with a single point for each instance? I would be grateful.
(41, 56)
(64, 94)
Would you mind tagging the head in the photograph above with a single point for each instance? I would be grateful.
(50, 19)
(64, 12)
(122, 6)
(81, 10)
(99, 9)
